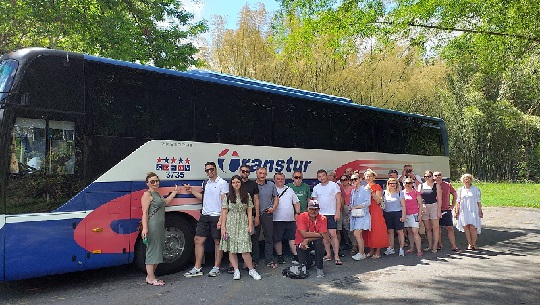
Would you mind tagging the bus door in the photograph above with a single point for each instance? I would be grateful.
(41, 209)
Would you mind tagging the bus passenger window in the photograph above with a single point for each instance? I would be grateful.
(27, 146)
(31, 151)
(61, 148)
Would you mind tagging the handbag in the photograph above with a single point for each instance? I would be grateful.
(382, 204)
(357, 213)
(140, 226)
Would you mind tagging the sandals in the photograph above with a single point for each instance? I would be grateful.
(354, 250)
(457, 250)
(475, 248)
(155, 282)
(327, 259)
(469, 247)
(419, 253)
(375, 256)
(272, 265)
(338, 262)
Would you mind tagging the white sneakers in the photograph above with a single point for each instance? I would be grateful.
(358, 256)
(389, 251)
(401, 252)
(253, 273)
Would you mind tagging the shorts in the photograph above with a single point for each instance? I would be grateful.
(430, 211)
(392, 220)
(207, 226)
(446, 219)
(332, 223)
(284, 230)
(411, 221)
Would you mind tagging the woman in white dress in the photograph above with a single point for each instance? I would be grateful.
(468, 211)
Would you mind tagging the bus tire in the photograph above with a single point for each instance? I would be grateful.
(179, 246)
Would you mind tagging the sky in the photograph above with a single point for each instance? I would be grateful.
(205, 9)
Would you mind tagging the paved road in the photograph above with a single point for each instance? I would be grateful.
(506, 271)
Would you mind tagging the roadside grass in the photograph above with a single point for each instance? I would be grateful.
(508, 194)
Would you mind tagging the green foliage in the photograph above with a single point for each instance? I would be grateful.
(473, 63)
(151, 31)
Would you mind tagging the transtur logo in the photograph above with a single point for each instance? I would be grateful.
(233, 163)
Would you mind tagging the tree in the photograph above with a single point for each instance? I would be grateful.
(409, 56)
(150, 31)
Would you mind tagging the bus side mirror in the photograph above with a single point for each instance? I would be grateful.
(24, 99)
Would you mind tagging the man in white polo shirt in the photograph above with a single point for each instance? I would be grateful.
(214, 191)
(328, 194)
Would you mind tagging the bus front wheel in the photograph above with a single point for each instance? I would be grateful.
(179, 246)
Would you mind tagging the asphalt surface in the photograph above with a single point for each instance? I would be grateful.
(505, 271)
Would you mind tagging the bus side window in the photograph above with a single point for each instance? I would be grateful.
(31, 152)
(61, 150)
(28, 145)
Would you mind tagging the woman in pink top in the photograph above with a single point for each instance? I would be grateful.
(413, 204)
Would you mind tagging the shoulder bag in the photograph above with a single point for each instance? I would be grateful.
(358, 212)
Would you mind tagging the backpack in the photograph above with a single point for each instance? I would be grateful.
(296, 272)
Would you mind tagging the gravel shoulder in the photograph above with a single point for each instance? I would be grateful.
(505, 271)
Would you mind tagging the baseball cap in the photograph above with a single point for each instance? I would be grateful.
(313, 204)
(392, 171)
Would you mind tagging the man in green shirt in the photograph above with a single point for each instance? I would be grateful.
(301, 190)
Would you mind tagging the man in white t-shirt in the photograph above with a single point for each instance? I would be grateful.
(285, 216)
(214, 189)
(328, 194)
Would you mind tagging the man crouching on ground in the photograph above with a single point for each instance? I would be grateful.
(311, 229)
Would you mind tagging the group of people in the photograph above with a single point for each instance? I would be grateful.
(353, 210)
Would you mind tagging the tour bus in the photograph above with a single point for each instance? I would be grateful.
(78, 134)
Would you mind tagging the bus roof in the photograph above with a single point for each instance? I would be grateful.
(215, 77)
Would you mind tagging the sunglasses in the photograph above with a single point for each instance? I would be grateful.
(245, 171)
(209, 170)
(408, 182)
(154, 181)
(343, 180)
(297, 177)
(354, 179)
(427, 176)
(437, 175)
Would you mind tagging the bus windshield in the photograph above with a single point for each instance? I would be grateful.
(7, 73)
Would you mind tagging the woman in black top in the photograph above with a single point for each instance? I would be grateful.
(431, 210)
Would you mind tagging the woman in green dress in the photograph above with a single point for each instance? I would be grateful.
(236, 226)
(153, 226)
